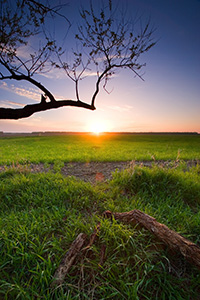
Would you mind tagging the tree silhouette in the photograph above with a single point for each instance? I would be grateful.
(106, 41)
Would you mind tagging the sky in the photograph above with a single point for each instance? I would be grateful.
(168, 100)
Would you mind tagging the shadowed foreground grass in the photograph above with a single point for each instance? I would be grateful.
(41, 215)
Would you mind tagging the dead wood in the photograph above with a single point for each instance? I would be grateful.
(68, 259)
(102, 255)
(93, 237)
(172, 239)
(74, 250)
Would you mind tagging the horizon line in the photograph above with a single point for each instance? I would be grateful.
(90, 132)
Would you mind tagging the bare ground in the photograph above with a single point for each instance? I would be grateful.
(94, 171)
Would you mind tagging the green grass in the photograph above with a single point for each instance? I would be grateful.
(85, 148)
(41, 215)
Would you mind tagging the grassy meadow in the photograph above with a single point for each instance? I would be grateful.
(108, 147)
(41, 215)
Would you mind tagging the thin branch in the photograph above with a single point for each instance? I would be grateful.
(101, 77)
(77, 93)
(98, 83)
(53, 10)
(37, 59)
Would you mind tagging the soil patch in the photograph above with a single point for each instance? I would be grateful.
(95, 171)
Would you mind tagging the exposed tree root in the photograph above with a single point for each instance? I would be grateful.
(172, 239)
(69, 259)
(76, 248)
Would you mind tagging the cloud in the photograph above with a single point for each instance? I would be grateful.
(30, 93)
(54, 73)
(24, 53)
(123, 108)
(6, 103)
(3, 85)
(89, 73)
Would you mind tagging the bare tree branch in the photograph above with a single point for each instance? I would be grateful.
(28, 110)
(106, 42)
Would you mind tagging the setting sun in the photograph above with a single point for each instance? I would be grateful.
(98, 128)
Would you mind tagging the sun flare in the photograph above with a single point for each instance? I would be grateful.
(98, 128)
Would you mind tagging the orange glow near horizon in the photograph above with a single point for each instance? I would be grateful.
(98, 127)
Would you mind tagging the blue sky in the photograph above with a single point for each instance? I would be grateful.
(168, 99)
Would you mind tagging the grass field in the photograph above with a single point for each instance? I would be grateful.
(42, 214)
(107, 147)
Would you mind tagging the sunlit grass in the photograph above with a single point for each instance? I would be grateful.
(41, 215)
(110, 147)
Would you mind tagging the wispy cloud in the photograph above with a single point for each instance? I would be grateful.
(54, 73)
(3, 85)
(23, 53)
(7, 103)
(123, 108)
(30, 93)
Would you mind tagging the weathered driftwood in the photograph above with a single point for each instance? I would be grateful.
(69, 259)
(169, 237)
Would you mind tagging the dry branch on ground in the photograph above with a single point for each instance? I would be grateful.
(76, 248)
(69, 259)
(172, 239)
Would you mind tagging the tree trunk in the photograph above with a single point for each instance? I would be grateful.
(169, 237)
